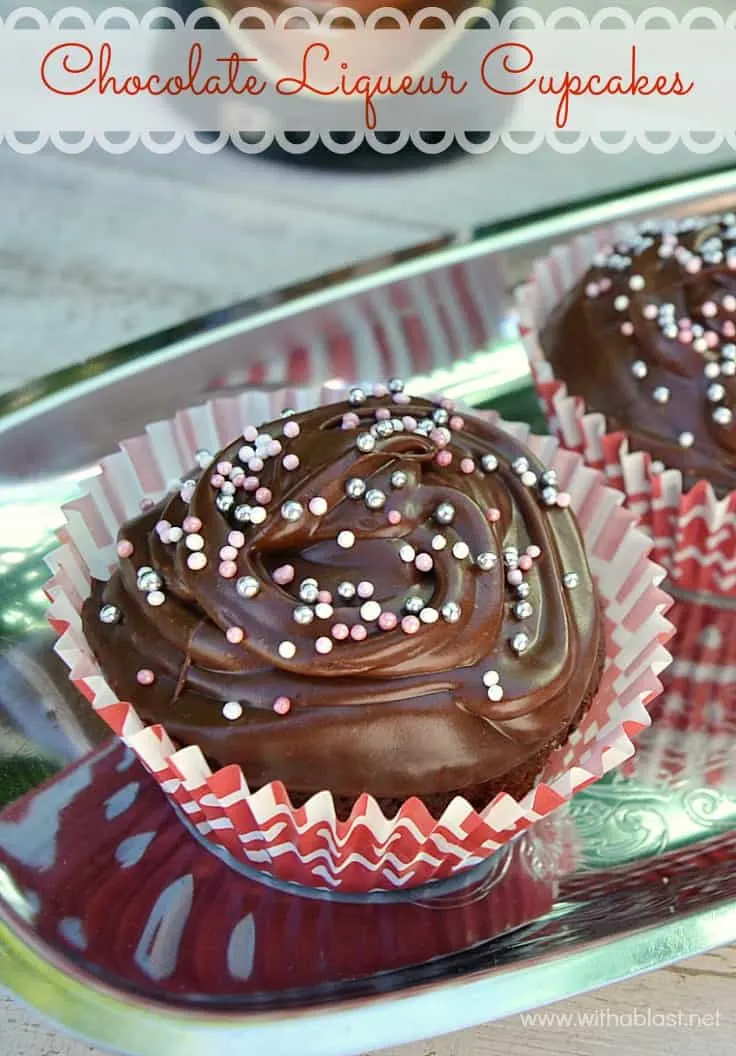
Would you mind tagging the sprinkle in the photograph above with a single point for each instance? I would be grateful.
(410, 624)
(456, 423)
(401, 397)
(291, 430)
(685, 337)
(162, 530)
(395, 385)
(563, 500)
(356, 396)
(196, 561)
(729, 303)
(323, 610)
(493, 514)
(355, 488)
(318, 506)
(409, 423)
(443, 459)
(375, 499)
(287, 650)
(494, 693)
(489, 463)
(523, 610)
(486, 561)
(346, 539)
(340, 631)
(525, 562)
(592, 290)
(250, 483)
(110, 614)
(514, 577)
(370, 611)
(394, 517)
(365, 589)
(358, 632)
(250, 434)
(380, 390)
(290, 461)
(175, 534)
(723, 416)
(534, 551)
(686, 439)
(194, 541)
(445, 513)
(709, 309)
(282, 705)
(639, 369)
(232, 710)
(292, 511)
(694, 265)
(387, 621)
(324, 597)
(519, 643)
(303, 615)
(346, 590)
(247, 586)
(520, 465)
(235, 635)
(461, 550)
(528, 479)
(125, 548)
(649, 311)
(407, 553)
(467, 465)
(383, 414)
(283, 575)
(258, 515)
(263, 496)
(423, 563)
(439, 542)
(228, 488)
(440, 437)
(451, 612)
(491, 678)
(414, 604)
(429, 615)
(224, 468)
(637, 282)
(228, 553)
(228, 569)
(621, 303)
(145, 677)
(255, 465)
(274, 448)
(236, 539)
(365, 443)
(570, 580)
(323, 645)
(350, 420)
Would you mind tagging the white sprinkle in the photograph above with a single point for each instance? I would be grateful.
(621, 303)
(429, 615)
(495, 693)
(194, 541)
(346, 539)
(407, 553)
(490, 678)
(323, 645)
(258, 515)
(318, 506)
(529, 478)
(439, 542)
(461, 550)
(369, 611)
(287, 650)
(686, 439)
(323, 610)
(156, 598)
(232, 710)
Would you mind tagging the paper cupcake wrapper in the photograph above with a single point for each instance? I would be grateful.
(693, 532)
(368, 851)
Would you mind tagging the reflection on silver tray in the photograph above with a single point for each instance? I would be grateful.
(119, 925)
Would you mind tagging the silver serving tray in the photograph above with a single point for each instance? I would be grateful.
(118, 925)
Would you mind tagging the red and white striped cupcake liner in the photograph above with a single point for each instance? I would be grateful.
(368, 851)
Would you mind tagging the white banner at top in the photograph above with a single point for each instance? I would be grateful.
(565, 80)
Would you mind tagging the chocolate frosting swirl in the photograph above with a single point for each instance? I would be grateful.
(648, 338)
(364, 597)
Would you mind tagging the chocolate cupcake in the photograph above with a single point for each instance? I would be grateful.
(379, 596)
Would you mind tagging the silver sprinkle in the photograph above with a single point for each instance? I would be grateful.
(549, 496)
(346, 590)
(485, 561)
(375, 499)
(451, 612)
(686, 439)
(511, 557)
(399, 479)
(224, 503)
(365, 443)
(424, 427)
(728, 368)
(728, 351)
(355, 488)
(395, 385)
(445, 513)
(520, 465)
(519, 643)
(722, 416)
(711, 370)
(303, 615)
(522, 590)
(716, 392)
(148, 580)
(523, 610)
(440, 416)
(110, 614)
(570, 580)
(661, 394)
(292, 511)
(639, 369)
(382, 429)
(203, 458)
(356, 396)
(549, 478)
(398, 425)
(287, 412)
(247, 586)
(156, 598)
(242, 513)
(413, 605)
(489, 463)
(308, 591)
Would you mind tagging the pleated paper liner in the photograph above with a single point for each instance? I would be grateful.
(693, 532)
(309, 844)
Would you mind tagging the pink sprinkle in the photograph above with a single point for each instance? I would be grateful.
(493, 514)
(236, 539)
(534, 551)
(318, 506)
(358, 632)
(627, 328)
(731, 262)
(393, 517)
(383, 414)
(145, 677)
(250, 434)
(323, 645)
(514, 577)
(191, 524)
(563, 499)
(290, 462)
(438, 437)
(685, 337)
(456, 423)
(228, 569)
(693, 266)
(711, 339)
(592, 289)
(263, 496)
(251, 483)
(291, 430)
(125, 548)
(423, 563)
(228, 553)
(443, 458)
(224, 468)
(350, 420)
(217, 480)
(235, 635)
(729, 303)
(467, 465)
(283, 575)
(729, 328)
(380, 391)
(401, 397)
(410, 625)
(649, 311)
(274, 448)
(409, 423)
(185, 494)
(197, 561)
(365, 589)
(282, 705)
(709, 309)
(340, 632)
(238, 479)
(162, 529)
(387, 621)
(685, 322)
(525, 562)
(604, 284)
(255, 465)
(325, 597)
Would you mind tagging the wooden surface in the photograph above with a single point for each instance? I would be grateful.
(596, 1024)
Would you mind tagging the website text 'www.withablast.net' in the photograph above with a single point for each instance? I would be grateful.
(608, 1019)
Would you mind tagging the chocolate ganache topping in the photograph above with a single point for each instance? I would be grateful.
(649, 339)
(380, 595)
